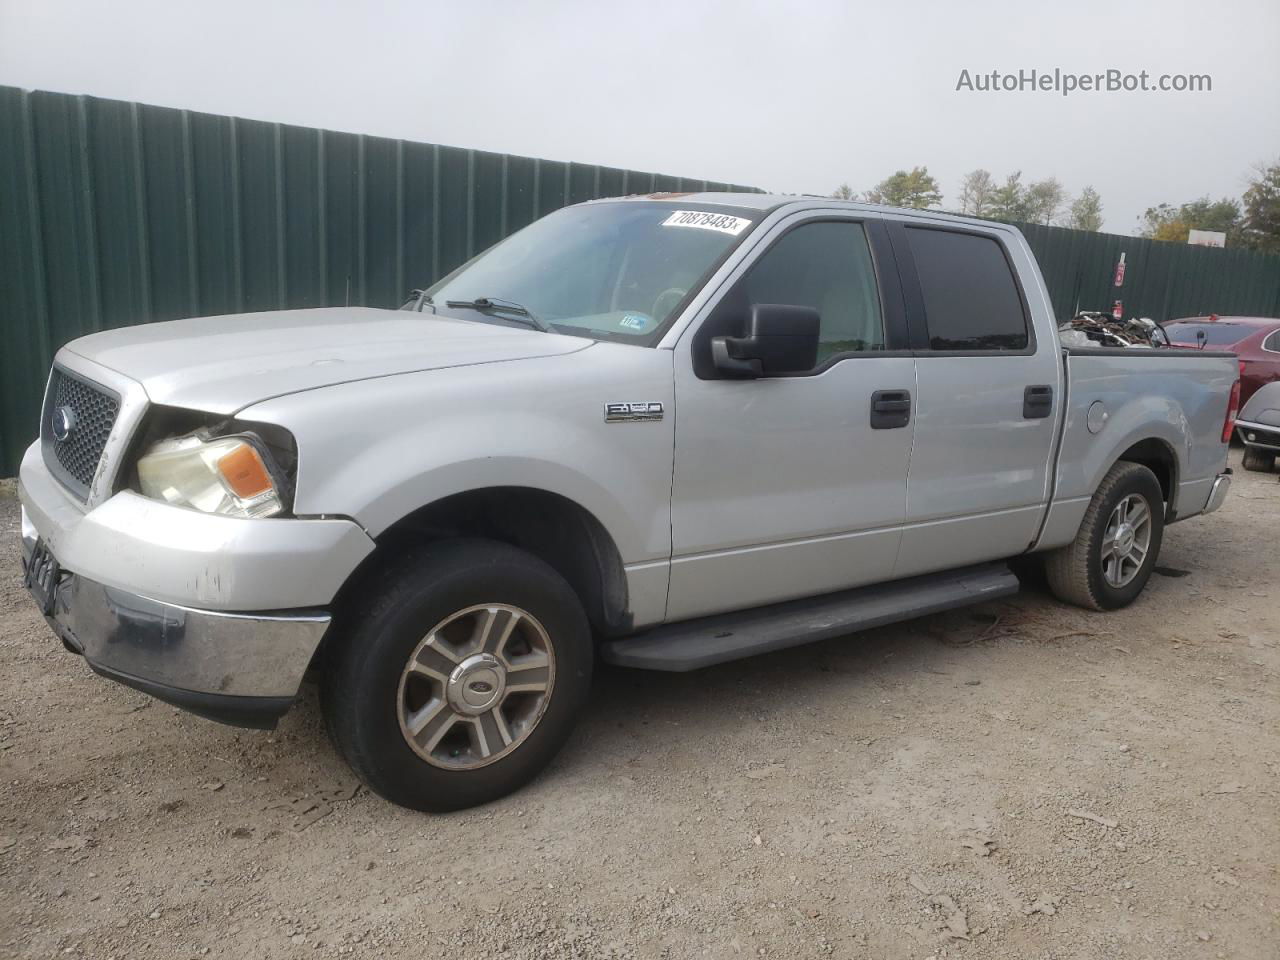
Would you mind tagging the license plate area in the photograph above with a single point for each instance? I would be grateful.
(41, 576)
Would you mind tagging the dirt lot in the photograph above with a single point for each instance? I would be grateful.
(1019, 780)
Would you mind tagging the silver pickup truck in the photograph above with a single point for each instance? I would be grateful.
(663, 431)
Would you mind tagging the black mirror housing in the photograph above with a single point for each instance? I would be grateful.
(781, 338)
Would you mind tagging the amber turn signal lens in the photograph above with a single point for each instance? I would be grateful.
(245, 473)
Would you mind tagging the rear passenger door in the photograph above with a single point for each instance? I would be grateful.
(988, 390)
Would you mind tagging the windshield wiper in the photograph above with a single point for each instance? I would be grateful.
(495, 304)
(418, 298)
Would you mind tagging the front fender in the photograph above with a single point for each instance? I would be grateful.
(377, 451)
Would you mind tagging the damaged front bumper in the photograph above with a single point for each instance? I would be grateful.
(218, 615)
(237, 668)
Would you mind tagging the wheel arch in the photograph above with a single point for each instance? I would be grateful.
(1085, 474)
(1158, 456)
(559, 531)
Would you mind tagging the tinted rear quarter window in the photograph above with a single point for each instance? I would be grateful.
(971, 298)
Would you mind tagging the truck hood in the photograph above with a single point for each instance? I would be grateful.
(223, 364)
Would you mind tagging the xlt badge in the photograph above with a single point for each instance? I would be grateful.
(632, 412)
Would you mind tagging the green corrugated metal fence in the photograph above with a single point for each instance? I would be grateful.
(1162, 280)
(115, 213)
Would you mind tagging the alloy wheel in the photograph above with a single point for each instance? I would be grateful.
(476, 686)
(1127, 540)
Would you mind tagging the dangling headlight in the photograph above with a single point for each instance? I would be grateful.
(233, 475)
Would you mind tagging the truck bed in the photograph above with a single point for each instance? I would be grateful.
(1177, 395)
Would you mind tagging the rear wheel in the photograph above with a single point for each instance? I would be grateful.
(1111, 558)
(461, 678)
(1258, 460)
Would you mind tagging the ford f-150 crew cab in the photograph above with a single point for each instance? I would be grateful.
(662, 431)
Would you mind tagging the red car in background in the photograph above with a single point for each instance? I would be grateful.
(1255, 340)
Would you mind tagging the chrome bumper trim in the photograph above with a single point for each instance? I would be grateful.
(29, 534)
(200, 651)
(1218, 492)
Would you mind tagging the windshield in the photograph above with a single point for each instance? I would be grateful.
(1215, 334)
(606, 270)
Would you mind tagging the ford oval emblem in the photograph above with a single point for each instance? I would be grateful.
(64, 422)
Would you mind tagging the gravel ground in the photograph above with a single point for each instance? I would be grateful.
(1020, 780)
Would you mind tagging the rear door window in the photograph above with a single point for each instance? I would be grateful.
(971, 299)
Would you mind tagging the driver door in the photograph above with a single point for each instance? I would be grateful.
(792, 486)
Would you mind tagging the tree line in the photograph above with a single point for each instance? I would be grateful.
(1039, 201)
(1253, 221)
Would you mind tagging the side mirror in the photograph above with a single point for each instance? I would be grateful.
(781, 338)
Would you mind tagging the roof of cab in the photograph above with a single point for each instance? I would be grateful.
(772, 201)
(752, 201)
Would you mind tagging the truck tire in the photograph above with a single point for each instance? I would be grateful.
(1111, 558)
(459, 677)
(1258, 460)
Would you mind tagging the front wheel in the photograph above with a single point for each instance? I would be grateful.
(1115, 549)
(460, 679)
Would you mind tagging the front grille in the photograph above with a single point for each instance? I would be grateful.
(90, 411)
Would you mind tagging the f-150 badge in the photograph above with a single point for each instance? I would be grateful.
(632, 412)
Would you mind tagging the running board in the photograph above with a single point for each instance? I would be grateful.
(693, 644)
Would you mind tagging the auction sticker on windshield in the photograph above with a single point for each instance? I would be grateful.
(722, 222)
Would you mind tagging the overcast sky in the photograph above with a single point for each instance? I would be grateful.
(793, 96)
